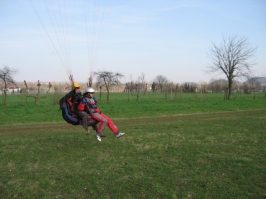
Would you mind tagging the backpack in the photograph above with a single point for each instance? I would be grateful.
(67, 115)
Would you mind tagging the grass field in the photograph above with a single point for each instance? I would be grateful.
(188, 147)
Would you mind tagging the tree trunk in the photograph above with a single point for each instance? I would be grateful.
(100, 92)
(137, 96)
(4, 103)
(107, 94)
(230, 83)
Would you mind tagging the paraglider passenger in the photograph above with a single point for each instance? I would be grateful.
(89, 104)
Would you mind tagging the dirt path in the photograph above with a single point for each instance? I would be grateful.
(27, 129)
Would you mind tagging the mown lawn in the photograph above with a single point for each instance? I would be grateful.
(190, 151)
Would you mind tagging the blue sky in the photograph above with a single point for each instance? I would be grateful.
(45, 39)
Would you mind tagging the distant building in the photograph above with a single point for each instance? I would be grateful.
(11, 90)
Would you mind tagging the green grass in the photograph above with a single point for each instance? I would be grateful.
(185, 148)
(119, 107)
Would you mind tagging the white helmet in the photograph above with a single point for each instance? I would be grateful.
(89, 90)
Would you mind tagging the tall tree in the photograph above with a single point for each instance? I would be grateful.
(231, 58)
(107, 79)
(7, 77)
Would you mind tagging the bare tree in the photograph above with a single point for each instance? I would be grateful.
(217, 85)
(254, 84)
(6, 75)
(177, 88)
(160, 81)
(107, 79)
(169, 90)
(231, 58)
(140, 87)
(153, 87)
(36, 97)
(49, 87)
(189, 87)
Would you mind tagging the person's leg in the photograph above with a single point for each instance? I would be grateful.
(110, 124)
(84, 118)
(102, 121)
(101, 126)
